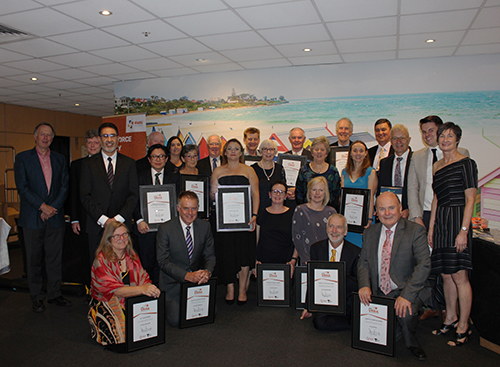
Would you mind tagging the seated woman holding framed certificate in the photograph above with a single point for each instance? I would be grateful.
(117, 274)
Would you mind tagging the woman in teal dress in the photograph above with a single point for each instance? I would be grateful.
(358, 174)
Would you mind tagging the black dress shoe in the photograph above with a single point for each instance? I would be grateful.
(418, 353)
(230, 301)
(241, 303)
(38, 306)
(60, 301)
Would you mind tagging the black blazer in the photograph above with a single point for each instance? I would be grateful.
(97, 196)
(142, 164)
(336, 144)
(385, 176)
(373, 150)
(204, 166)
(304, 152)
(76, 211)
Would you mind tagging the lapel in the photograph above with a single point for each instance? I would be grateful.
(398, 237)
(101, 169)
(407, 168)
(38, 168)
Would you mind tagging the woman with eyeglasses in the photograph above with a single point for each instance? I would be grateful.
(174, 149)
(274, 229)
(117, 274)
(189, 156)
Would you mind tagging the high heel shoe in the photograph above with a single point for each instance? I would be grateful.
(241, 303)
(445, 328)
(230, 301)
(456, 338)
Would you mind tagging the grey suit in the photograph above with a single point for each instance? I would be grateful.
(174, 262)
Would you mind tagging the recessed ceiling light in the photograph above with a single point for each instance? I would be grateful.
(34, 79)
(430, 41)
(77, 104)
(307, 50)
(105, 13)
(201, 60)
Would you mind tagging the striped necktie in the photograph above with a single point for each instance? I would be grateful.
(385, 278)
(157, 178)
(189, 242)
(111, 175)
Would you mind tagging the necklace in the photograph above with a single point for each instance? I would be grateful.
(120, 260)
(263, 169)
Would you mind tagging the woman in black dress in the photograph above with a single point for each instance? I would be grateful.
(174, 148)
(450, 232)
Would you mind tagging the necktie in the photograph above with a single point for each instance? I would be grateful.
(397, 175)
(111, 175)
(380, 157)
(385, 278)
(214, 164)
(332, 258)
(189, 242)
(157, 178)
(434, 155)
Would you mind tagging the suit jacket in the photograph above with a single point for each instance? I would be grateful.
(410, 264)
(142, 164)
(172, 254)
(336, 144)
(304, 152)
(76, 211)
(385, 175)
(98, 198)
(205, 166)
(373, 150)
(417, 180)
(32, 189)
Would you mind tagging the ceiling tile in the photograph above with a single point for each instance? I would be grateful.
(307, 33)
(218, 68)
(176, 47)
(77, 60)
(432, 6)
(212, 23)
(152, 64)
(89, 40)
(133, 76)
(311, 60)
(442, 39)
(88, 90)
(317, 48)
(10, 82)
(243, 3)
(66, 84)
(38, 48)
(234, 40)
(251, 54)
(370, 56)
(367, 44)
(482, 36)
(157, 31)
(386, 26)
(35, 65)
(26, 78)
(98, 81)
(333, 10)
(210, 57)
(15, 6)
(109, 69)
(264, 64)
(436, 22)
(492, 3)
(174, 72)
(478, 49)
(422, 53)
(180, 7)
(7, 56)
(33, 88)
(125, 53)
(6, 71)
(488, 17)
(69, 74)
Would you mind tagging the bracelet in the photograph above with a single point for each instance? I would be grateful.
(254, 215)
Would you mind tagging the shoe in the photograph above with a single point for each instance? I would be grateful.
(456, 338)
(444, 328)
(230, 301)
(38, 306)
(418, 353)
(241, 303)
(60, 301)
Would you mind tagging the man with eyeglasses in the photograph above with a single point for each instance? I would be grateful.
(154, 138)
(146, 239)
(108, 187)
(207, 165)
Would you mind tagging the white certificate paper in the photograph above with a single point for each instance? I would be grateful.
(326, 287)
(145, 316)
(303, 287)
(197, 302)
(197, 188)
(340, 160)
(354, 209)
(292, 168)
(233, 207)
(158, 207)
(373, 324)
(273, 285)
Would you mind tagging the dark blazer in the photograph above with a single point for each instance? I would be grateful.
(142, 164)
(205, 166)
(304, 152)
(97, 196)
(410, 260)
(385, 176)
(336, 144)
(32, 189)
(76, 211)
(373, 150)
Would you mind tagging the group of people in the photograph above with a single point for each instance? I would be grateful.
(293, 224)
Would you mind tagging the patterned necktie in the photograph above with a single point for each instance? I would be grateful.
(434, 155)
(385, 278)
(332, 258)
(380, 157)
(189, 242)
(111, 175)
(398, 181)
(214, 164)
(157, 178)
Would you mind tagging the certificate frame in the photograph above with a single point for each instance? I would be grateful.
(143, 197)
(286, 269)
(332, 156)
(326, 266)
(251, 159)
(210, 318)
(282, 158)
(130, 345)
(203, 183)
(224, 227)
(365, 193)
(297, 287)
(357, 343)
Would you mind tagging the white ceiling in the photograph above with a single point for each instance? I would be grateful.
(77, 54)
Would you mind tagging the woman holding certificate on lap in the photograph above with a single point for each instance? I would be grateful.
(235, 251)
(358, 174)
(117, 274)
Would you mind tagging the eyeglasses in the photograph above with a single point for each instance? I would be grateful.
(159, 156)
(191, 156)
(279, 192)
(122, 236)
(105, 136)
(268, 150)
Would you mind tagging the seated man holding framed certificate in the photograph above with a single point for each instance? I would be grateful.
(336, 248)
(185, 252)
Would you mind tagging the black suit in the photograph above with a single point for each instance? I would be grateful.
(385, 176)
(205, 166)
(304, 152)
(142, 164)
(336, 144)
(350, 255)
(373, 151)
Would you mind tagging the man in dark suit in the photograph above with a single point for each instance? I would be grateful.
(42, 183)
(108, 187)
(394, 169)
(156, 175)
(297, 138)
(336, 248)
(395, 262)
(343, 129)
(383, 149)
(185, 251)
(154, 138)
(207, 165)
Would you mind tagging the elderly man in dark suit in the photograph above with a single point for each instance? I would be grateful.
(343, 129)
(395, 262)
(42, 183)
(207, 165)
(336, 248)
(297, 138)
(154, 138)
(185, 251)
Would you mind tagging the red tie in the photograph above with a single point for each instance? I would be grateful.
(385, 278)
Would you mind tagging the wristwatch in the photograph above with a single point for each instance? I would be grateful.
(465, 229)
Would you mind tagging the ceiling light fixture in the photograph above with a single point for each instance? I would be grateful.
(34, 79)
(430, 41)
(201, 60)
(307, 50)
(105, 13)
(77, 104)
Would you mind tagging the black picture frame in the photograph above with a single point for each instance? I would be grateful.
(202, 187)
(379, 347)
(186, 320)
(132, 321)
(251, 159)
(300, 286)
(222, 191)
(365, 193)
(144, 190)
(290, 174)
(326, 270)
(278, 269)
(333, 158)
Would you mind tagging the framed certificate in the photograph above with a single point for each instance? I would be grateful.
(199, 185)
(326, 287)
(233, 207)
(273, 285)
(145, 322)
(251, 159)
(197, 306)
(292, 165)
(397, 190)
(300, 286)
(354, 206)
(157, 204)
(373, 326)
(338, 157)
